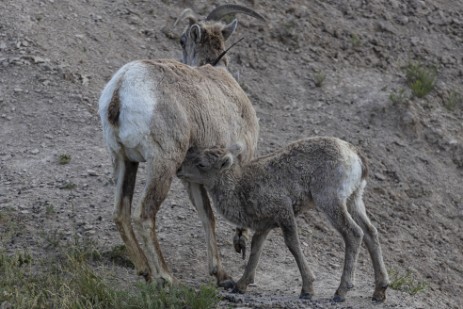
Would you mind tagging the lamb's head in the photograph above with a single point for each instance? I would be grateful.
(203, 41)
(206, 166)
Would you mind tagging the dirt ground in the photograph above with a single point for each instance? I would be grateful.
(56, 56)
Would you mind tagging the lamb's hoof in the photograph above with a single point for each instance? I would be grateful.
(379, 295)
(228, 284)
(338, 298)
(237, 291)
(305, 296)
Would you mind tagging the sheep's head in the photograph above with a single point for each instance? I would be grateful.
(203, 41)
(205, 166)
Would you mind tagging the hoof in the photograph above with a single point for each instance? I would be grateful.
(379, 295)
(338, 298)
(228, 284)
(146, 275)
(305, 296)
(237, 291)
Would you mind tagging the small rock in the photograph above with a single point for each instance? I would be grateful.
(402, 20)
(92, 173)
(386, 27)
(35, 151)
(380, 176)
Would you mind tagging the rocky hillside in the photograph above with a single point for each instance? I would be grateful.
(358, 70)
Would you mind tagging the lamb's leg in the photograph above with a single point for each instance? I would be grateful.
(357, 209)
(352, 234)
(125, 173)
(200, 200)
(257, 243)
(292, 241)
(158, 181)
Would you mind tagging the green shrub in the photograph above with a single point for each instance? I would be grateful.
(420, 79)
(453, 100)
(64, 159)
(399, 97)
(319, 78)
(406, 282)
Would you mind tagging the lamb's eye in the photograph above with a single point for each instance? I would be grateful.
(200, 165)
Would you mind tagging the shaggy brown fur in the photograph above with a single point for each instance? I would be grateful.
(268, 192)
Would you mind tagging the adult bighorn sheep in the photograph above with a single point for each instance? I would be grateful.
(153, 111)
(268, 192)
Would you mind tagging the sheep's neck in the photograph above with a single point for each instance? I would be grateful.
(226, 196)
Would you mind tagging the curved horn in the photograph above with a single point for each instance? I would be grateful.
(187, 14)
(227, 9)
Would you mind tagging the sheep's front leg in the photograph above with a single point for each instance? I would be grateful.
(200, 200)
(125, 173)
(257, 243)
(292, 242)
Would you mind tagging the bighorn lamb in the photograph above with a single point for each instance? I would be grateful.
(153, 111)
(268, 192)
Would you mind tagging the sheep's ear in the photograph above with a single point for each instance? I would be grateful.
(226, 162)
(229, 29)
(195, 33)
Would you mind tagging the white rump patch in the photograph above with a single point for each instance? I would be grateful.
(137, 103)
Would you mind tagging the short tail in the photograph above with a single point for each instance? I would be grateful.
(364, 165)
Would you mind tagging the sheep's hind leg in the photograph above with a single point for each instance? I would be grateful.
(257, 243)
(371, 239)
(292, 242)
(200, 200)
(125, 173)
(336, 210)
(158, 181)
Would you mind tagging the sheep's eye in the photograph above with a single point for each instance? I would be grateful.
(200, 165)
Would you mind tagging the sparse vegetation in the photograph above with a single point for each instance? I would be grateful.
(406, 282)
(453, 100)
(64, 159)
(355, 40)
(399, 97)
(319, 78)
(420, 79)
(119, 256)
(68, 186)
(64, 280)
(49, 209)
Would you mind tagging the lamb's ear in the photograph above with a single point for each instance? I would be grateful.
(226, 162)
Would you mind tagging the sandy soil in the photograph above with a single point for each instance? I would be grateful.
(55, 57)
